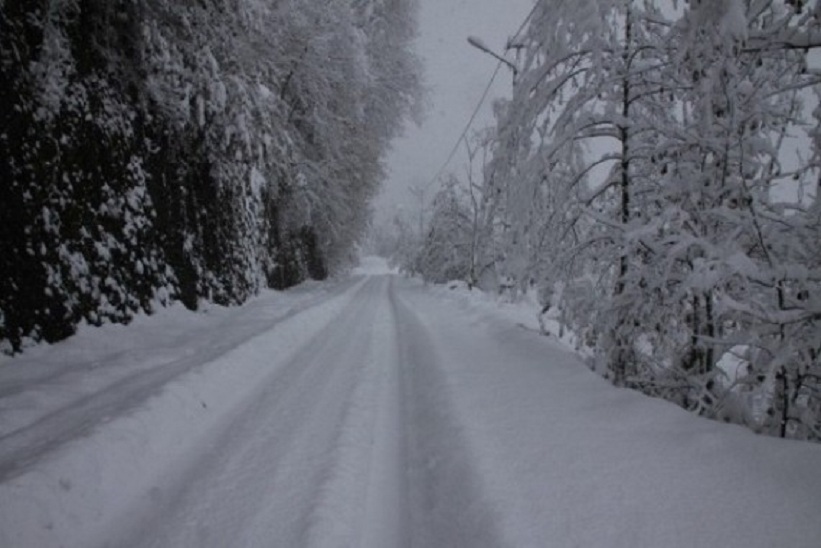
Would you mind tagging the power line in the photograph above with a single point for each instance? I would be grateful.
(524, 23)
(467, 127)
(481, 102)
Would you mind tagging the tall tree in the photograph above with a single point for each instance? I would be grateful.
(156, 150)
(647, 178)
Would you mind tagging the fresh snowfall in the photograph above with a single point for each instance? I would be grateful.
(371, 412)
(601, 327)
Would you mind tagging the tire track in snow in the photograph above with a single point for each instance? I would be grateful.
(388, 505)
(24, 447)
(291, 467)
(363, 496)
(349, 441)
(447, 506)
(74, 365)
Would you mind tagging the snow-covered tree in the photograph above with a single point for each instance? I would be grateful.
(652, 177)
(155, 150)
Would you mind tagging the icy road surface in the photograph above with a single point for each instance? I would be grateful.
(371, 412)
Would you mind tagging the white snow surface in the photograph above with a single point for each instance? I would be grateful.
(371, 412)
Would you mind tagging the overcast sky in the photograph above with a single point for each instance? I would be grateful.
(456, 75)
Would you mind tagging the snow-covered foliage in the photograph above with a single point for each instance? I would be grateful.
(445, 251)
(655, 175)
(154, 151)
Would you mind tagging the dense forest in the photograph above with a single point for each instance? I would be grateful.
(154, 151)
(654, 178)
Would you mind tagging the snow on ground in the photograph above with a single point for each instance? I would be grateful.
(522, 309)
(371, 266)
(372, 412)
(48, 378)
(89, 422)
(566, 459)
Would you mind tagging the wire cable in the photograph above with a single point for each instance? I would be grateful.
(479, 105)
(467, 127)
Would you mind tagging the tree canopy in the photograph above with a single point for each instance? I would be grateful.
(155, 150)
(655, 177)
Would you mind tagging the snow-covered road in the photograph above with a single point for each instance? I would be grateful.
(372, 412)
